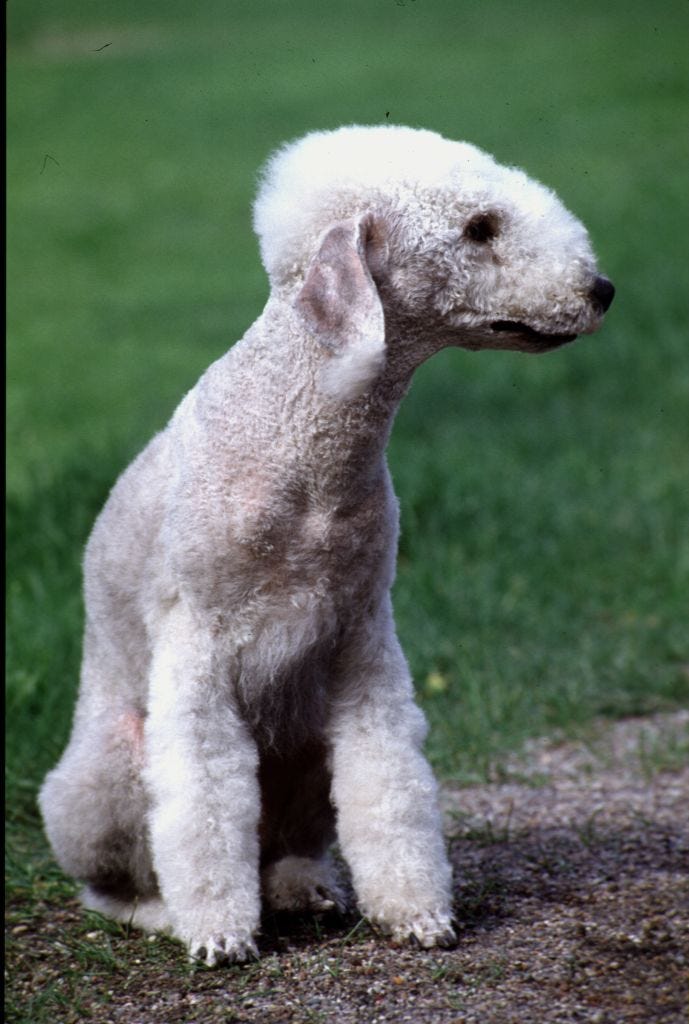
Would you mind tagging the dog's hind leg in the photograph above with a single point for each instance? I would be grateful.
(150, 914)
(297, 828)
(304, 883)
(94, 803)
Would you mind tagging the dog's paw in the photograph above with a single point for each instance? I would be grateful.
(217, 950)
(425, 929)
(318, 898)
(300, 883)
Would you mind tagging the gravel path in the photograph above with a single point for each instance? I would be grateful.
(572, 891)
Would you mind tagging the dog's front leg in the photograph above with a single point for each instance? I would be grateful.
(201, 771)
(388, 821)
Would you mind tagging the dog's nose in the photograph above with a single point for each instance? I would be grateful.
(602, 293)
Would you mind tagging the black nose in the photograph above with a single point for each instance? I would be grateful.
(602, 293)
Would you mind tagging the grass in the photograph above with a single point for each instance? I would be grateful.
(544, 566)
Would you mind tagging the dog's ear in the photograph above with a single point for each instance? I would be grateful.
(341, 307)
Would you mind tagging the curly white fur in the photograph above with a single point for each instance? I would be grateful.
(244, 698)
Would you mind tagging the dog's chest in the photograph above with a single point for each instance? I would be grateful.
(293, 541)
(313, 580)
(300, 577)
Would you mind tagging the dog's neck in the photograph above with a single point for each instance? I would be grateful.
(279, 423)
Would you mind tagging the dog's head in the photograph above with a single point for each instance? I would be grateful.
(395, 231)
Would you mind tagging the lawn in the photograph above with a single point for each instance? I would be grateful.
(544, 564)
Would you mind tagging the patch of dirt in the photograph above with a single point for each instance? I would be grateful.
(572, 893)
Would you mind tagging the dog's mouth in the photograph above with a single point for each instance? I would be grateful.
(529, 334)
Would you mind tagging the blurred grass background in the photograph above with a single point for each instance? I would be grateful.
(544, 565)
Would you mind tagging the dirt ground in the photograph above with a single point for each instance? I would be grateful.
(572, 897)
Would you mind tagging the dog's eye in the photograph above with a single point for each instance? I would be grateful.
(481, 228)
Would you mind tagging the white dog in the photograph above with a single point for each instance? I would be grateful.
(244, 699)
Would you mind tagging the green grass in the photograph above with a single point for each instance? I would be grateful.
(544, 567)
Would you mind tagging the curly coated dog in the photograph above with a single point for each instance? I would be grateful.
(244, 700)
